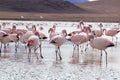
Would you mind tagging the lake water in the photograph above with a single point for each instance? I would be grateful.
(87, 67)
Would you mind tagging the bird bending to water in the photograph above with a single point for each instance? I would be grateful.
(33, 43)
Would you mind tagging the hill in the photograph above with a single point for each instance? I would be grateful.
(42, 6)
(102, 6)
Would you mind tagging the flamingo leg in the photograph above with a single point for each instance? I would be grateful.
(29, 54)
(36, 54)
(74, 51)
(106, 57)
(5, 46)
(0, 49)
(112, 38)
(25, 48)
(101, 58)
(81, 49)
(59, 53)
(116, 40)
(78, 50)
(16, 50)
(86, 47)
(40, 51)
(56, 51)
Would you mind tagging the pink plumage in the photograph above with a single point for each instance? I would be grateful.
(33, 43)
(101, 44)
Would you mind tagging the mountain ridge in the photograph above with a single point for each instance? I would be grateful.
(102, 6)
(43, 6)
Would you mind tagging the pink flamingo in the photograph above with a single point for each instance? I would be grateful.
(33, 28)
(112, 32)
(58, 40)
(13, 30)
(80, 25)
(17, 31)
(98, 33)
(80, 28)
(24, 37)
(33, 43)
(2, 35)
(79, 39)
(41, 37)
(7, 30)
(101, 44)
(9, 38)
(52, 32)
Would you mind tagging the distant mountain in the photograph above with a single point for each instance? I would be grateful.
(102, 6)
(60, 6)
(43, 6)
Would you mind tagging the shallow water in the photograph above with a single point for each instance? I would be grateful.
(86, 67)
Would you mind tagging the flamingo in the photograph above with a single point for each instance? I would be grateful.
(9, 38)
(80, 25)
(101, 44)
(97, 33)
(52, 31)
(80, 38)
(33, 43)
(41, 37)
(33, 28)
(58, 40)
(80, 28)
(77, 39)
(7, 30)
(24, 37)
(112, 32)
(13, 30)
(2, 35)
(17, 31)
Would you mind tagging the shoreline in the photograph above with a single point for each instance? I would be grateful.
(59, 17)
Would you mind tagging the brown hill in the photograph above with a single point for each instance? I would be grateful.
(102, 6)
(44, 6)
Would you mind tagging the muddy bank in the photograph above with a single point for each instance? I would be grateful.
(60, 17)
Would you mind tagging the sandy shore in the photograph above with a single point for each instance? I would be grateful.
(60, 17)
